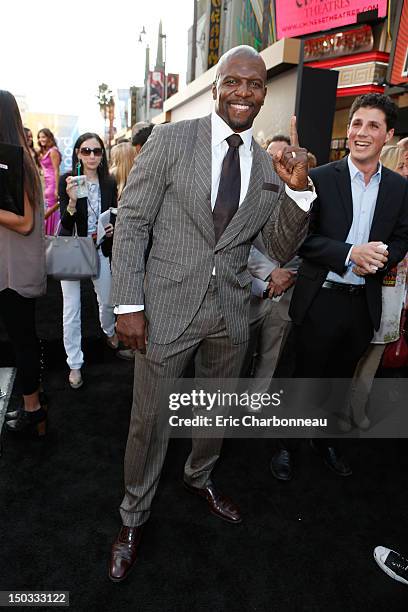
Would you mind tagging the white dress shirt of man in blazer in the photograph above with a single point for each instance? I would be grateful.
(191, 298)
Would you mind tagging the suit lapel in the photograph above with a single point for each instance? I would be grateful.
(244, 211)
(203, 179)
(383, 195)
(344, 187)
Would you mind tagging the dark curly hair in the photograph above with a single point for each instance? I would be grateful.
(140, 138)
(376, 100)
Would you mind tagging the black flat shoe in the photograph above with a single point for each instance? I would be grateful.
(29, 421)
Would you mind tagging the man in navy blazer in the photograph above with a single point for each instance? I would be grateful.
(358, 231)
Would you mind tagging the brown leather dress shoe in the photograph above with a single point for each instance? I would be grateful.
(219, 505)
(124, 552)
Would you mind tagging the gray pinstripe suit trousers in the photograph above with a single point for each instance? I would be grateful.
(215, 356)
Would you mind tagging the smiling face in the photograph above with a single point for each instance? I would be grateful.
(239, 90)
(367, 134)
(89, 162)
(43, 140)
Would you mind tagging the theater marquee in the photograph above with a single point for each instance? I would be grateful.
(298, 17)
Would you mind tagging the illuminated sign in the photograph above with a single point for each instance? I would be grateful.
(356, 40)
(214, 38)
(298, 17)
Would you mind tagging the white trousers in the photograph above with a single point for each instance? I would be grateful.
(71, 292)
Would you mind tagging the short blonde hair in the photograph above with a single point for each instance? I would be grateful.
(391, 157)
(122, 158)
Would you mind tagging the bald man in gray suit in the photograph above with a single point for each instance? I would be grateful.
(203, 189)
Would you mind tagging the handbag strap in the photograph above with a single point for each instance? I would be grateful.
(57, 230)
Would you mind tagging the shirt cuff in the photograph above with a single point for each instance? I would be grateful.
(119, 310)
(258, 287)
(303, 199)
(347, 262)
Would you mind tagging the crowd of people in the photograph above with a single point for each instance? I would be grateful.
(216, 251)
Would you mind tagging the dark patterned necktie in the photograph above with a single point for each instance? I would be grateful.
(226, 204)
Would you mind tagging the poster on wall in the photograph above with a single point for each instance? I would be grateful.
(172, 84)
(156, 89)
(298, 17)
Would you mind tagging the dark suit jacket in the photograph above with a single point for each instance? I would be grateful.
(108, 199)
(325, 248)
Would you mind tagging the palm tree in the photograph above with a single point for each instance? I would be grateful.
(105, 100)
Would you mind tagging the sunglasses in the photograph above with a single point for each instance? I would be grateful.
(86, 151)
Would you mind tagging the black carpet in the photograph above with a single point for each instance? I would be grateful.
(303, 546)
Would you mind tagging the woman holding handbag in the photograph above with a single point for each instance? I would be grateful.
(84, 196)
(22, 274)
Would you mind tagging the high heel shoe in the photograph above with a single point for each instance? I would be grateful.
(29, 421)
(11, 416)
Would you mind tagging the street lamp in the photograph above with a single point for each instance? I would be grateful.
(142, 34)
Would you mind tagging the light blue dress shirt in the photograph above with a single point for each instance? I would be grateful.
(364, 201)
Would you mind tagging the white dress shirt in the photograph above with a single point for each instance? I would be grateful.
(219, 147)
(364, 201)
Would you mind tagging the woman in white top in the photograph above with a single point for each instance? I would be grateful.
(89, 159)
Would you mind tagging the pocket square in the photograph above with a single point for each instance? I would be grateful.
(271, 187)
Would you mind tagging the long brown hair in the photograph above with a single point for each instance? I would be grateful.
(51, 138)
(122, 158)
(12, 132)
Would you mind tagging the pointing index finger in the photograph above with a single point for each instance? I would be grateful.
(294, 139)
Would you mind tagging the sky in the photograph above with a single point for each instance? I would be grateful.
(56, 53)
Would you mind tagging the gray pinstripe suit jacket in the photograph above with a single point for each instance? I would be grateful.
(168, 193)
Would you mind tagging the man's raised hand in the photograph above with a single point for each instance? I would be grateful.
(291, 163)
